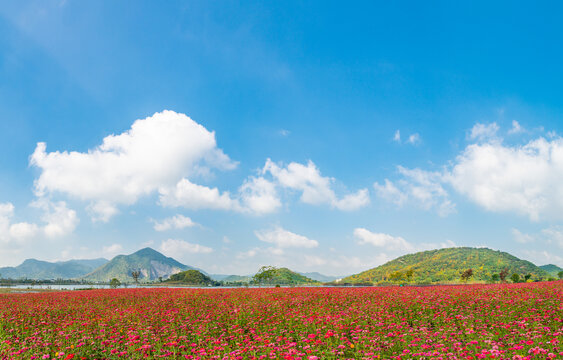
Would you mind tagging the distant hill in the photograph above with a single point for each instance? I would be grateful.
(149, 262)
(44, 270)
(321, 277)
(446, 265)
(192, 277)
(284, 276)
(553, 270)
(237, 278)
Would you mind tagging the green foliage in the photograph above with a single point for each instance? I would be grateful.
(114, 283)
(495, 277)
(192, 277)
(560, 274)
(151, 263)
(553, 270)
(446, 265)
(515, 278)
(281, 276)
(466, 275)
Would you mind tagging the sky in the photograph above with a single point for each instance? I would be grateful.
(311, 135)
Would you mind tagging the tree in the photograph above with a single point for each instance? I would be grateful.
(527, 277)
(466, 275)
(409, 274)
(135, 275)
(114, 283)
(503, 274)
(560, 275)
(495, 277)
(396, 276)
(265, 274)
(515, 278)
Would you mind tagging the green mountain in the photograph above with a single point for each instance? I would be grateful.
(284, 276)
(553, 270)
(152, 265)
(44, 270)
(321, 277)
(237, 279)
(446, 266)
(192, 277)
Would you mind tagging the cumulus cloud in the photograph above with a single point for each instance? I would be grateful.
(521, 237)
(386, 241)
(193, 196)
(522, 179)
(315, 189)
(483, 132)
(58, 221)
(285, 239)
(420, 187)
(173, 247)
(112, 250)
(259, 195)
(154, 153)
(175, 222)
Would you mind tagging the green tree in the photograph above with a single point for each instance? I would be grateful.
(495, 277)
(560, 275)
(466, 275)
(503, 274)
(265, 275)
(527, 277)
(409, 274)
(114, 283)
(515, 278)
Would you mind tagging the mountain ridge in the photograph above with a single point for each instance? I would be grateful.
(446, 266)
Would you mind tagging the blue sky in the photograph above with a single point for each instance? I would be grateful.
(305, 134)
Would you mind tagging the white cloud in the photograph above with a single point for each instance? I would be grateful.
(521, 237)
(553, 235)
(102, 211)
(397, 136)
(284, 132)
(420, 187)
(285, 239)
(112, 250)
(389, 242)
(516, 128)
(521, 179)
(259, 195)
(247, 254)
(193, 196)
(155, 153)
(315, 188)
(484, 132)
(542, 257)
(175, 222)
(414, 139)
(173, 247)
(59, 221)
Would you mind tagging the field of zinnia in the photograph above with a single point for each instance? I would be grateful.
(508, 321)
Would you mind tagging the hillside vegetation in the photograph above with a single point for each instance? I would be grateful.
(192, 277)
(42, 270)
(553, 270)
(151, 264)
(446, 266)
(284, 276)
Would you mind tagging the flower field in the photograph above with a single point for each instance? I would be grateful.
(508, 321)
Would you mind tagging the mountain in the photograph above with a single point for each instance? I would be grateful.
(284, 276)
(553, 270)
(192, 277)
(321, 277)
(237, 279)
(44, 270)
(149, 262)
(446, 266)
